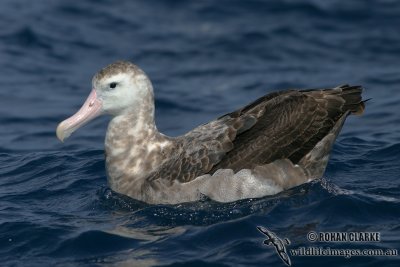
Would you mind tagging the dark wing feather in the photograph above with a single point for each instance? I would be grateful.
(196, 152)
(286, 124)
(291, 125)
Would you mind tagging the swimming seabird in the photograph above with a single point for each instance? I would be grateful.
(277, 142)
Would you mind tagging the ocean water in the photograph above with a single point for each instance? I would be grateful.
(205, 58)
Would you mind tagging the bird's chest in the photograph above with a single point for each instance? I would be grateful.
(131, 160)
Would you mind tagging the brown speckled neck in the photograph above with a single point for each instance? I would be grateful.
(134, 147)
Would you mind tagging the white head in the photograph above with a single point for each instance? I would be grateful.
(117, 89)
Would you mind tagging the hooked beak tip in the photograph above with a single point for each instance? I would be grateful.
(89, 110)
(60, 133)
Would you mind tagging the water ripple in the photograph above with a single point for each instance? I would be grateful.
(205, 58)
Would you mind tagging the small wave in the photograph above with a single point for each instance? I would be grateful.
(27, 37)
(93, 242)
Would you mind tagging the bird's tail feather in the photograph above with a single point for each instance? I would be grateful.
(353, 99)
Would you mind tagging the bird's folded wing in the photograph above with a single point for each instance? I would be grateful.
(283, 125)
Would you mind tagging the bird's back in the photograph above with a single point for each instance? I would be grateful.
(289, 125)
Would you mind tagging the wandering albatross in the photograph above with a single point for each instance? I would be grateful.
(277, 142)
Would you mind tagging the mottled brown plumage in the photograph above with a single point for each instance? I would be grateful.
(279, 141)
(282, 125)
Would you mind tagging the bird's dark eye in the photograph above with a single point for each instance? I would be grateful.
(113, 85)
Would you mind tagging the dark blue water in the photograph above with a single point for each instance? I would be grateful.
(205, 58)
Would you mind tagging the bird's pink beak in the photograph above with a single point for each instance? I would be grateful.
(91, 109)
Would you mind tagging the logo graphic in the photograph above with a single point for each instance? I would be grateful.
(278, 243)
